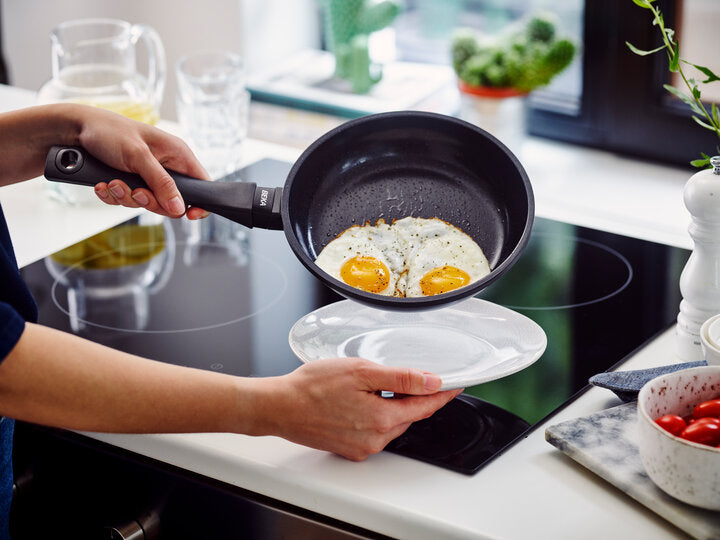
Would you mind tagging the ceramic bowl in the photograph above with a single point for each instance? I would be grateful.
(710, 340)
(685, 470)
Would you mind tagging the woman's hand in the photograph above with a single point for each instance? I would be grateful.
(26, 136)
(143, 149)
(335, 405)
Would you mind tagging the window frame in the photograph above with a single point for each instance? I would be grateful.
(624, 107)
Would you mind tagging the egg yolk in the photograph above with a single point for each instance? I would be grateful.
(443, 279)
(365, 273)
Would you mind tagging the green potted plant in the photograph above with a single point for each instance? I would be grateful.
(512, 64)
(495, 73)
(693, 97)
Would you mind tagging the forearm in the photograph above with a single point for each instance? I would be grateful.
(58, 379)
(61, 380)
(27, 134)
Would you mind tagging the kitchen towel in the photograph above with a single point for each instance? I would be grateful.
(627, 384)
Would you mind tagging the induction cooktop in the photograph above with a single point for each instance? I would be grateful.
(217, 296)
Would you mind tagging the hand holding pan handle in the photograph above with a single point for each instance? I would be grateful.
(241, 202)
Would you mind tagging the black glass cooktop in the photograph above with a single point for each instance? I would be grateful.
(217, 296)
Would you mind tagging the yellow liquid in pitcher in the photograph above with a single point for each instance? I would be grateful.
(137, 110)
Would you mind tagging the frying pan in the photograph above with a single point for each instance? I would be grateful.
(388, 165)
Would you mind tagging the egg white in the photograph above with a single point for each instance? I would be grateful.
(409, 248)
(379, 241)
(434, 243)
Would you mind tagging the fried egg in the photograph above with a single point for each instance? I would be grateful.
(439, 257)
(367, 257)
(412, 257)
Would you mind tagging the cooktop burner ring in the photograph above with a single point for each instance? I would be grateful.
(596, 300)
(277, 294)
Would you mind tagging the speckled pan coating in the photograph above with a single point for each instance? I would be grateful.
(687, 471)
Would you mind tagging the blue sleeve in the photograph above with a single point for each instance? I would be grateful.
(11, 328)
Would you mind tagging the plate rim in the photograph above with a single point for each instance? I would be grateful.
(483, 304)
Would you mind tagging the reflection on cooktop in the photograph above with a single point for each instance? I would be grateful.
(611, 272)
(597, 295)
(214, 295)
(95, 294)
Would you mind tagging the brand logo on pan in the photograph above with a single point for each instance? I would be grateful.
(263, 197)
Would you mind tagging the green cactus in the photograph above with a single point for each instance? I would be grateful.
(465, 46)
(540, 29)
(348, 24)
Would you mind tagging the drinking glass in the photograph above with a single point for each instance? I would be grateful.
(212, 106)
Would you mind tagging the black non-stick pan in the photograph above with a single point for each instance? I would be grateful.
(389, 166)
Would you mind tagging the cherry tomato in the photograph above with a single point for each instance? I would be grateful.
(706, 420)
(703, 431)
(707, 408)
(672, 423)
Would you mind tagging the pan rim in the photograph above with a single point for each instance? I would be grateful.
(392, 302)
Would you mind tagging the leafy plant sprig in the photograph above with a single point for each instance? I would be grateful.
(706, 119)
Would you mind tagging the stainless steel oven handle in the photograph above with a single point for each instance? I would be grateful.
(146, 527)
(131, 530)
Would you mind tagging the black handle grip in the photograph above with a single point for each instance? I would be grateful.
(242, 202)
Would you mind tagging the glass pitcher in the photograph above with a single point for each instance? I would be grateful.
(94, 62)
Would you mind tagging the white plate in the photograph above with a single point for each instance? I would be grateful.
(468, 343)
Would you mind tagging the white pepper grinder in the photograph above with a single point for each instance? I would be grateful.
(700, 279)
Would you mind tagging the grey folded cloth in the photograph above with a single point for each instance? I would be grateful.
(627, 384)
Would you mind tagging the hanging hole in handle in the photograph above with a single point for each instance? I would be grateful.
(69, 160)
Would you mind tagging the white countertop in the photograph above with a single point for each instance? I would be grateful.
(532, 490)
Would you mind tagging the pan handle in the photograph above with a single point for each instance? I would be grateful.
(242, 202)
